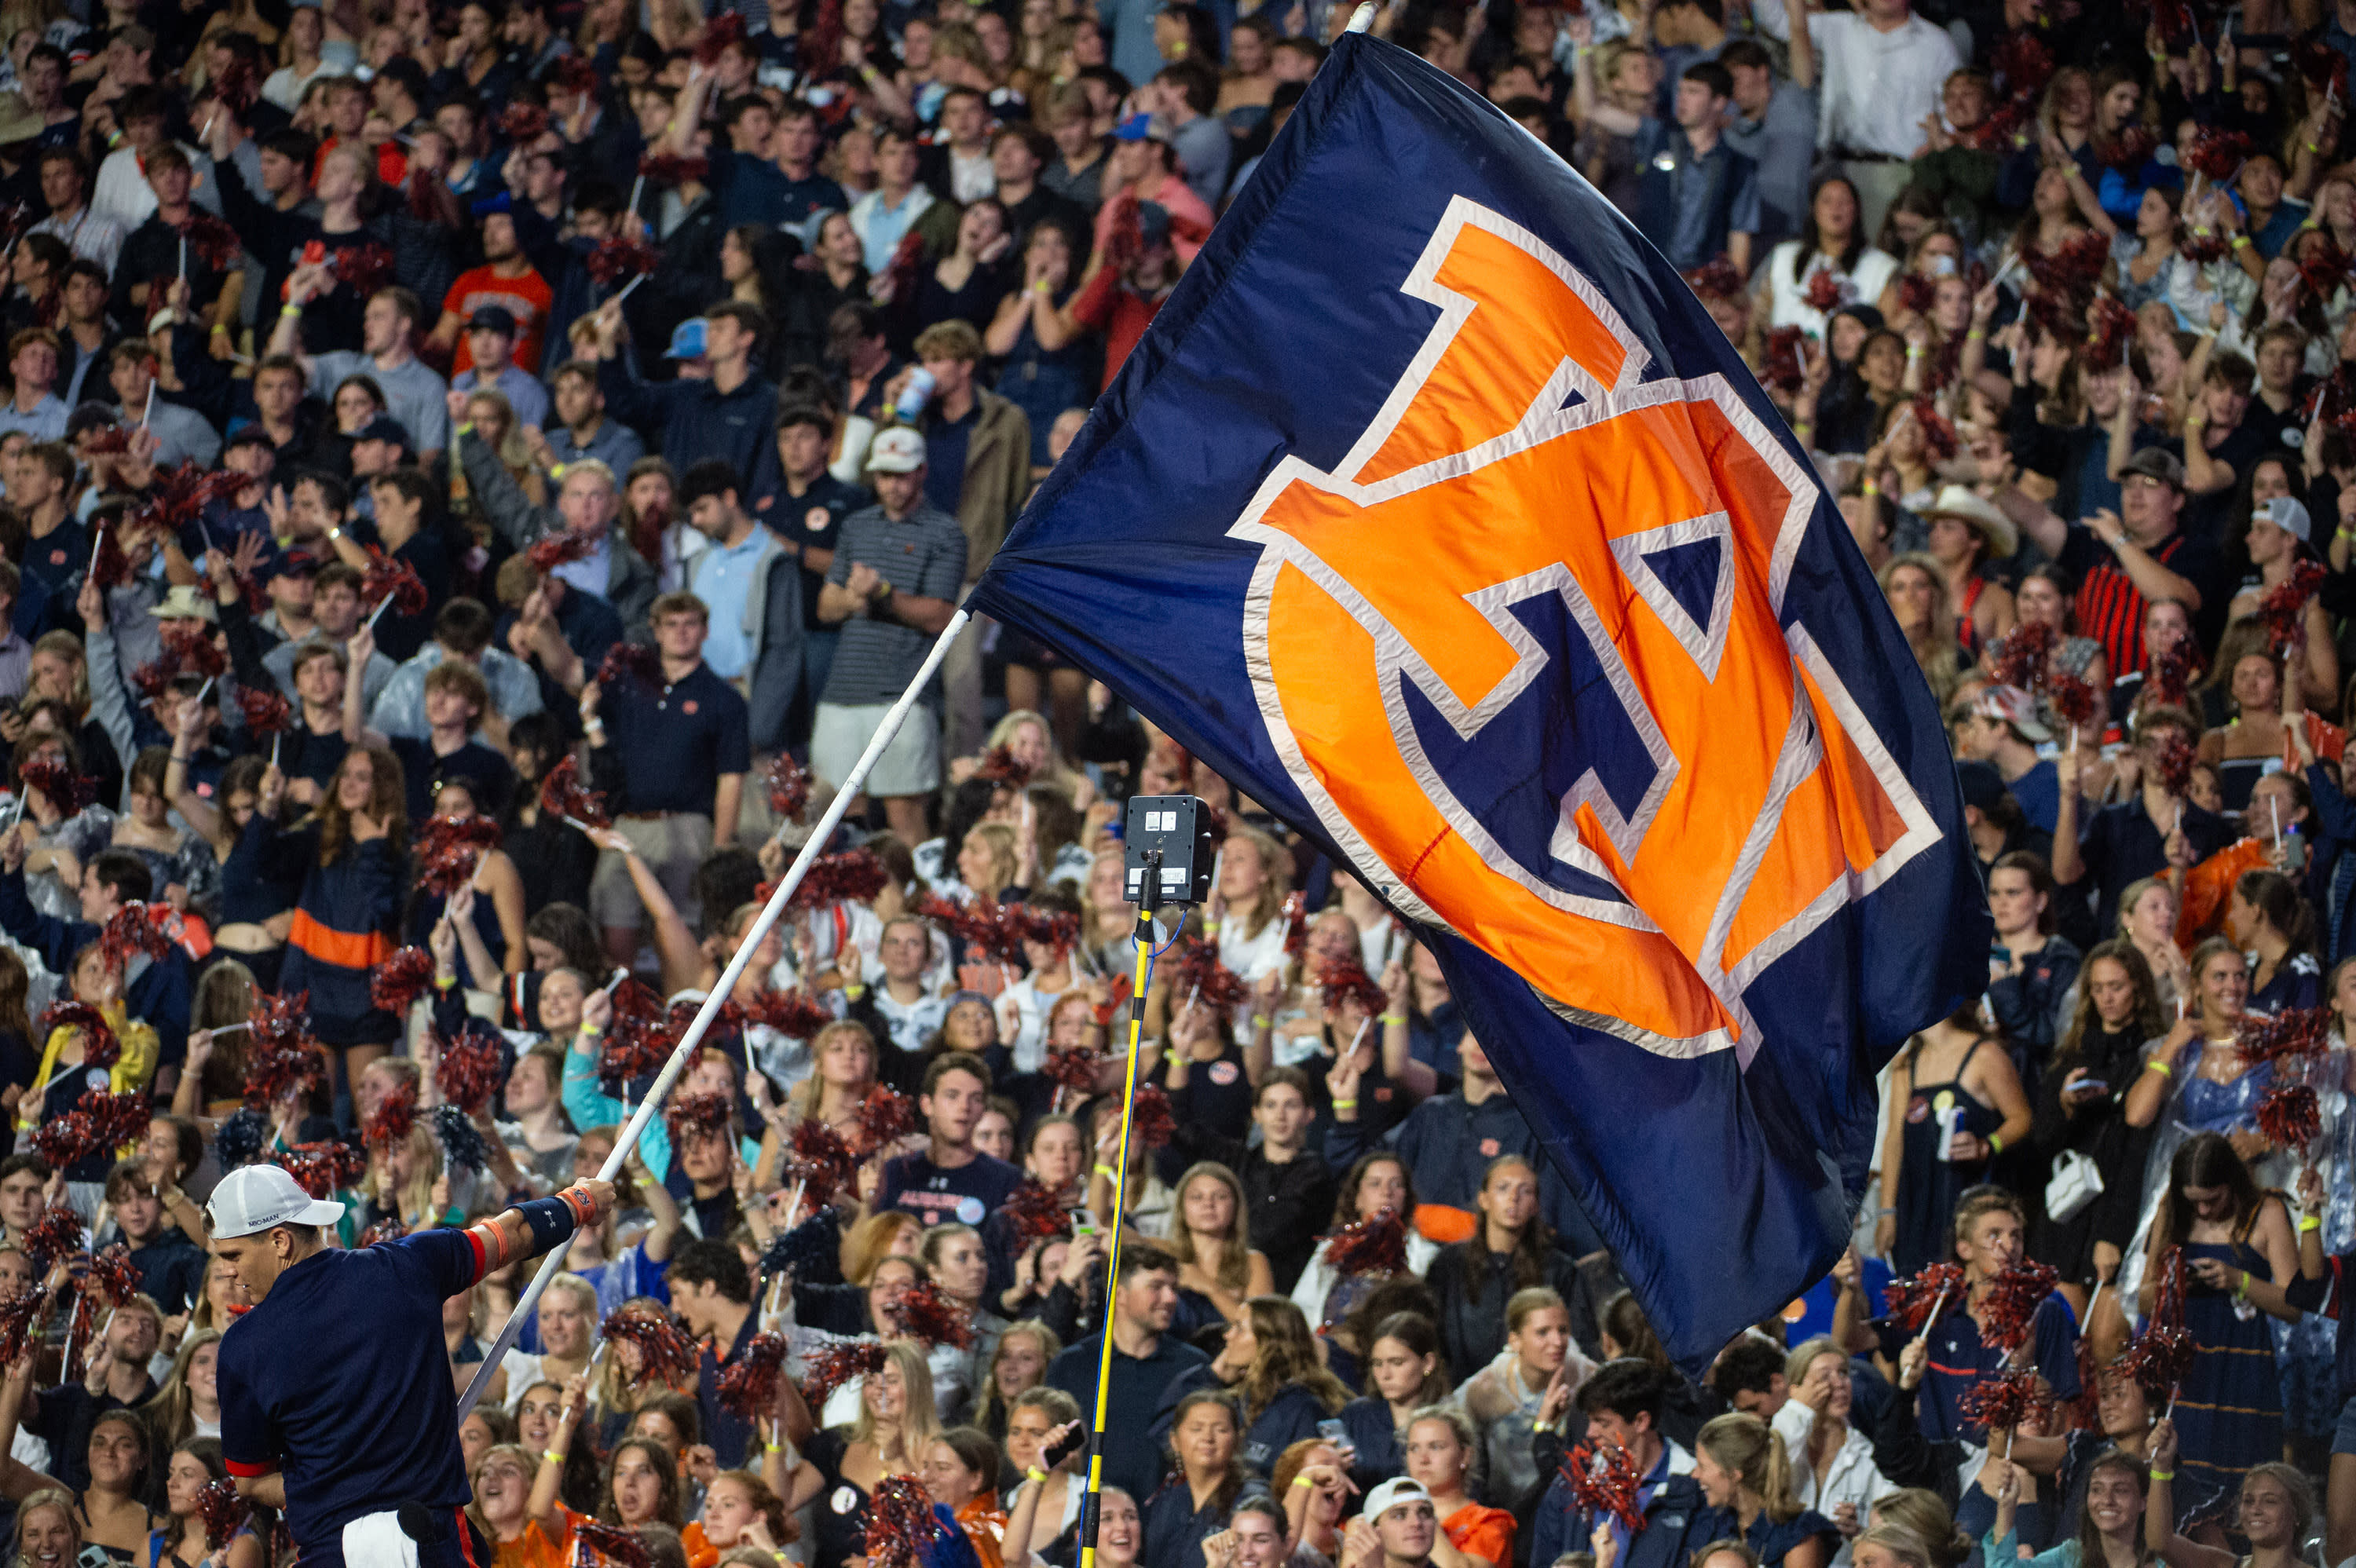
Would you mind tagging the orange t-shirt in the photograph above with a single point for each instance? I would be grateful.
(1481, 1531)
(535, 1548)
(526, 299)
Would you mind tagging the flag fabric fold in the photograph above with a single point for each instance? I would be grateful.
(1435, 513)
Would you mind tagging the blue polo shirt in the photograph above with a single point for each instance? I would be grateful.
(673, 744)
(723, 576)
(340, 1379)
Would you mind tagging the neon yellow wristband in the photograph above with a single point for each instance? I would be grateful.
(551, 1455)
(1390, 1018)
(2162, 1475)
(1107, 1172)
(1995, 1143)
(2309, 1223)
(2162, 1068)
(1261, 1020)
(1349, 1105)
(1035, 1474)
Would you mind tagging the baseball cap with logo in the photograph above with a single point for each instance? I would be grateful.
(2010, 705)
(898, 450)
(254, 1198)
(1390, 1494)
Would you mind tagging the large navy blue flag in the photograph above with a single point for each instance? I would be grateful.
(1435, 514)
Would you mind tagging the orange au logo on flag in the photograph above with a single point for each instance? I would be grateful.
(1764, 802)
(1436, 515)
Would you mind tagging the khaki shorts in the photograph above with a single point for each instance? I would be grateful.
(672, 847)
(910, 765)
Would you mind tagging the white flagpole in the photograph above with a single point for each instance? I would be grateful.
(721, 989)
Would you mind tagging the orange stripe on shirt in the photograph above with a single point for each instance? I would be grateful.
(351, 950)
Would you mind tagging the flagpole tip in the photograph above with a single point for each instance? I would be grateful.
(1362, 18)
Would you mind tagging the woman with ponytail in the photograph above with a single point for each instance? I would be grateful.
(2269, 919)
(1745, 1475)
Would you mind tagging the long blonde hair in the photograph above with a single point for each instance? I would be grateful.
(1936, 651)
(806, 1099)
(171, 1414)
(1748, 1449)
(414, 1203)
(919, 1424)
(1234, 1251)
(1278, 867)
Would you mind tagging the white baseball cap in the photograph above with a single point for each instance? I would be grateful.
(2287, 514)
(898, 450)
(253, 1197)
(1390, 1494)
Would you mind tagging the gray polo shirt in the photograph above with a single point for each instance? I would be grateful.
(416, 397)
(924, 554)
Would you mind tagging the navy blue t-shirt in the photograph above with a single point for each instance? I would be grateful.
(1960, 1359)
(340, 1379)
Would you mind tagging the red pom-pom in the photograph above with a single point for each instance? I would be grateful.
(1827, 290)
(1917, 293)
(389, 1229)
(706, 1116)
(2284, 608)
(1202, 978)
(152, 929)
(1375, 1246)
(2218, 153)
(396, 1116)
(55, 1235)
(821, 1160)
(265, 712)
(116, 1119)
(2130, 148)
(611, 1545)
(748, 1385)
(401, 979)
(1075, 1069)
(450, 849)
(318, 1169)
(523, 121)
(2110, 332)
(2325, 67)
(67, 1140)
(668, 169)
(1604, 1484)
(283, 1056)
(2168, 675)
(99, 1046)
(1716, 279)
(795, 1014)
(928, 1315)
(471, 1070)
(387, 578)
(2012, 1300)
(189, 646)
(618, 258)
(900, 1523)
(364, 270)
(836, 1365)
(2293, 1033)
(237, 86)
(1938, 434)
(2158, 1358)
(886, 1116)
(2173, 758)
(223, 1511)
(2022, 63)
(114, 1275)
(67, 791)
(2289, 1114)
(1151, 1122)
(2002, 1402)
(635, 1047)
(1295, 915)
(789, 788)
(2324, 269)
(855, 876)
(1779, 365)
(1344, 980)
(630, 661)
(109, 567)
(20, 1319)
(668, 1355)
(571, 74)
(2020, 656)
(977, 924)
(719, 34)
(211, 241)
(1000, 766)
(561, 546)
(562, 794)
(1034, 1213)
(1908, 1303)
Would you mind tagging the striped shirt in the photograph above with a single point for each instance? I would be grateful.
(2110, 606)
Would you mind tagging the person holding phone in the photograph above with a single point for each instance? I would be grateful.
(2081, 1107)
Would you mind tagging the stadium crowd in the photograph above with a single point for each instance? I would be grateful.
(420, 414)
